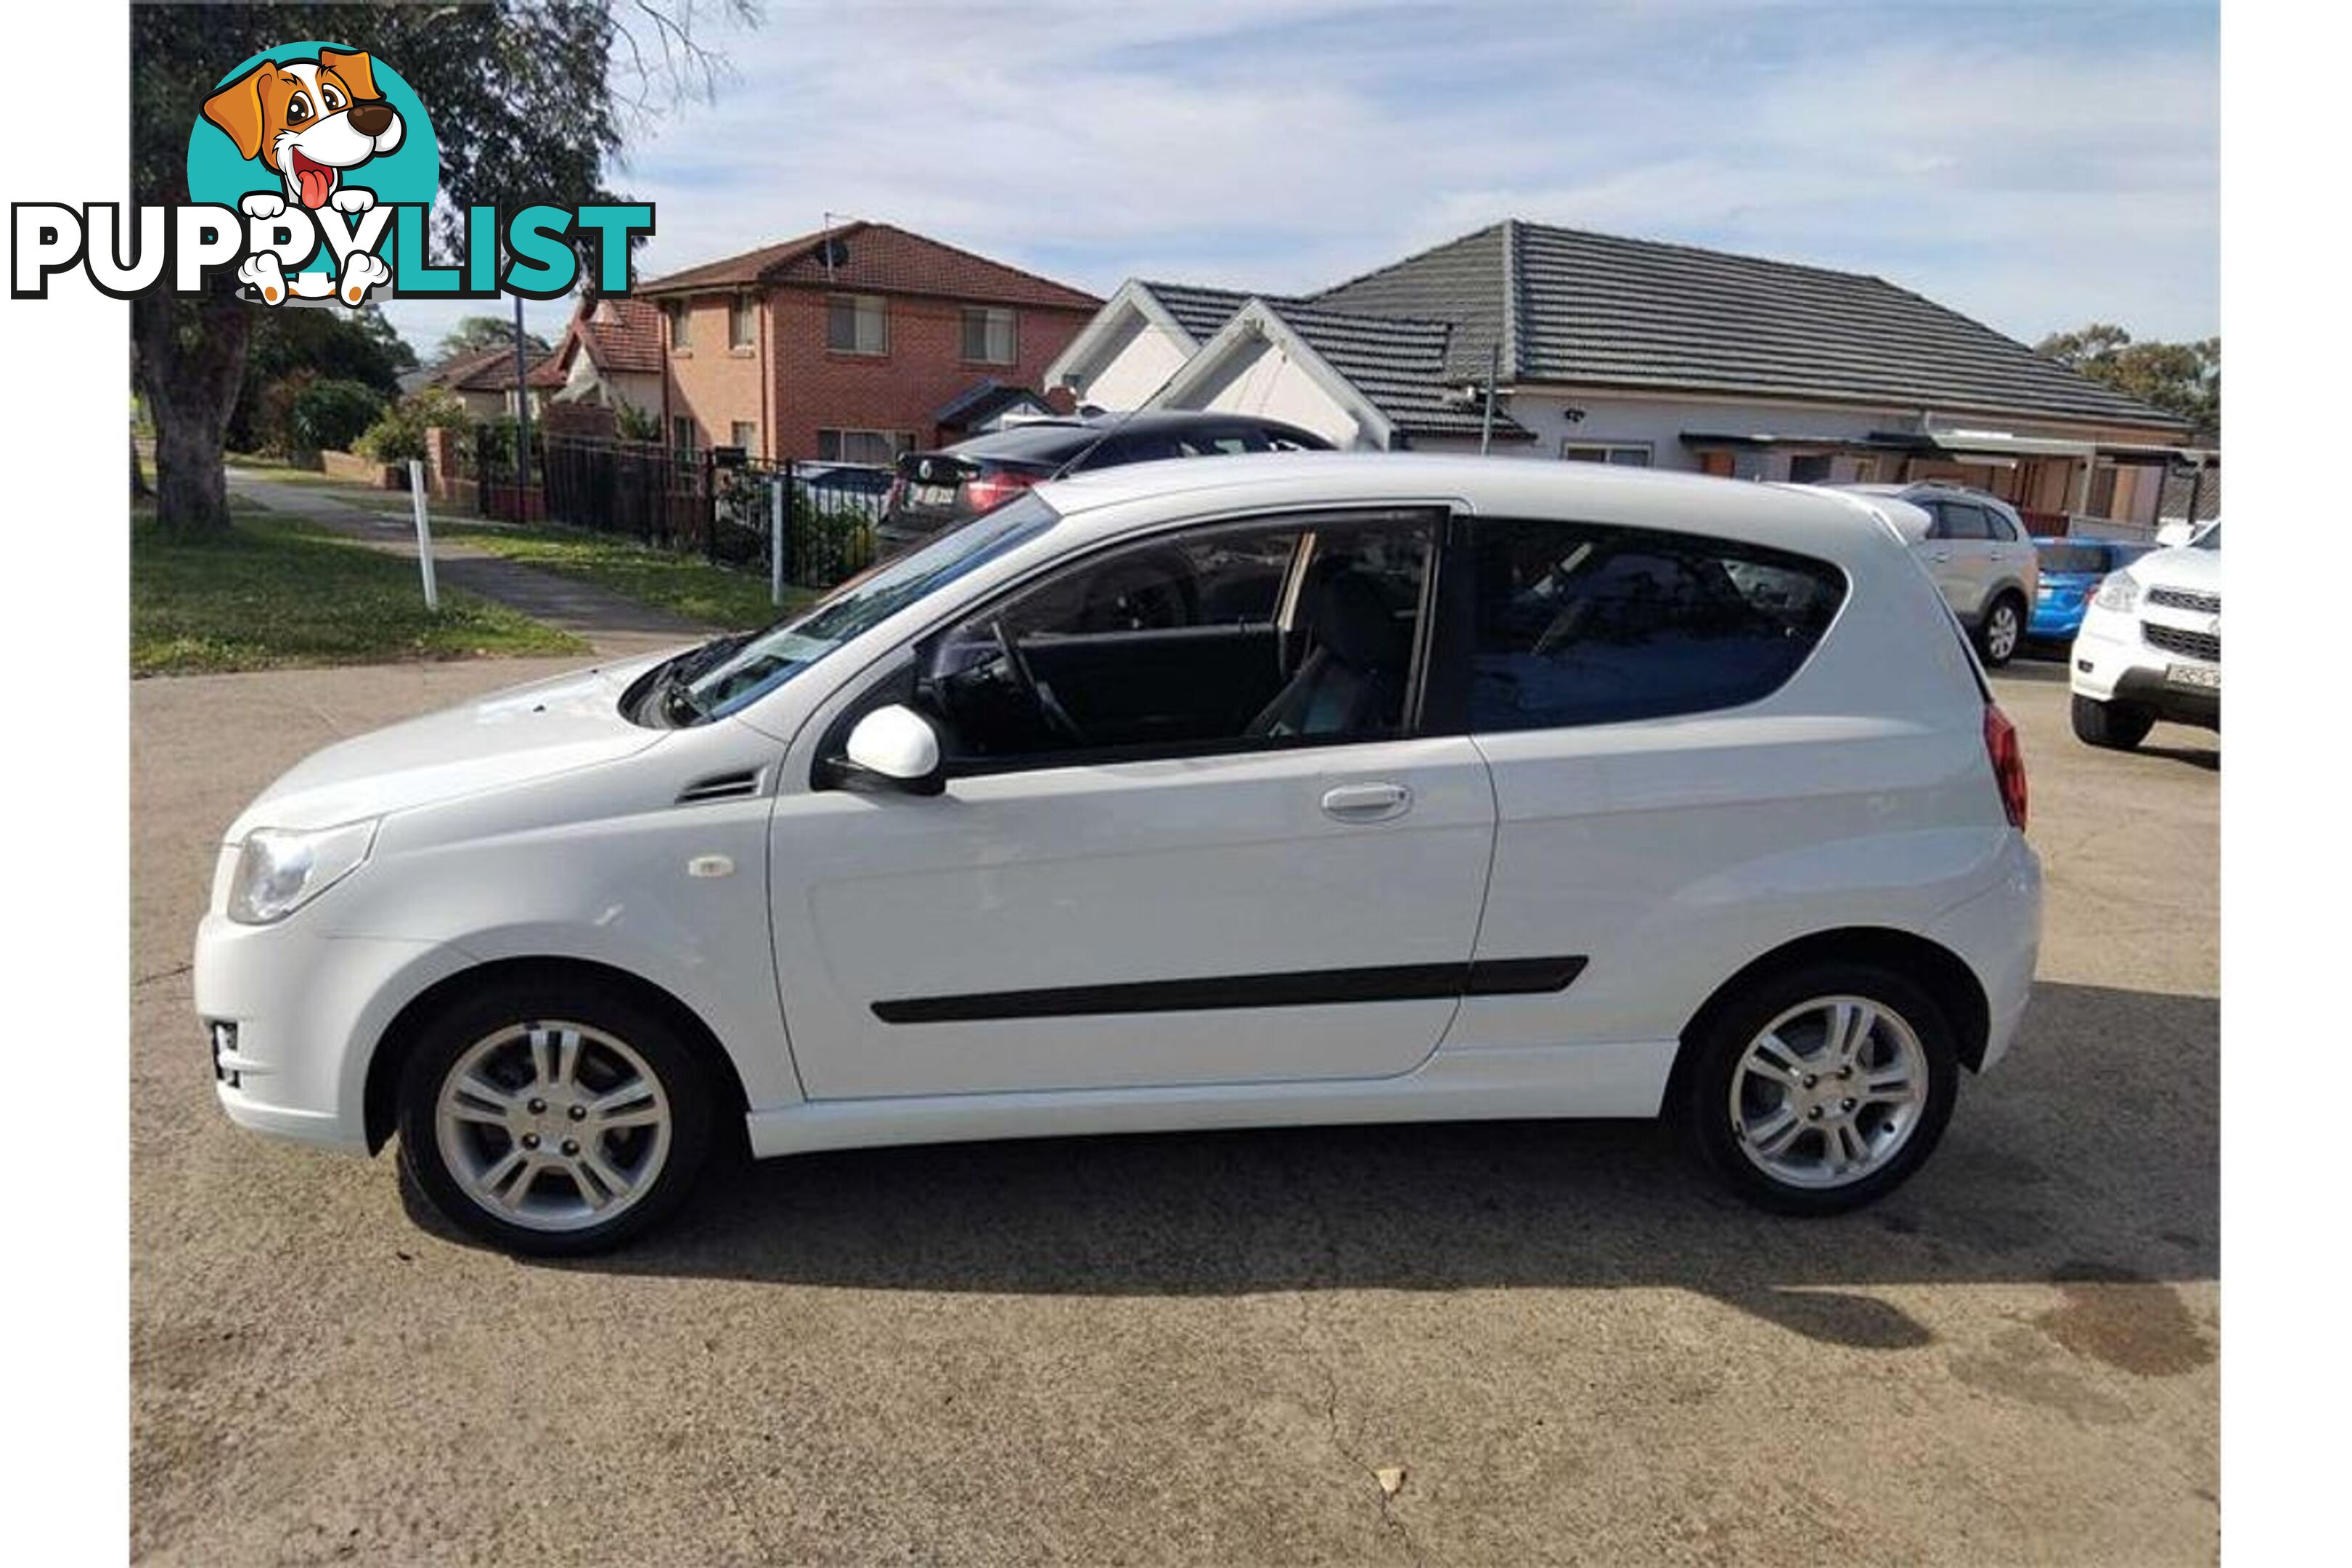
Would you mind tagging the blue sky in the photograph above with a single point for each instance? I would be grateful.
(2034, 165)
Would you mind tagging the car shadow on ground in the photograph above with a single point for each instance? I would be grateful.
(2089, 1160)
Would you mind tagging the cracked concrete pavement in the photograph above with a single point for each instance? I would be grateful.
(1205, 1348)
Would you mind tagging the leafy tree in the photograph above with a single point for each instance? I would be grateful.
(328, 415)
(335, 345)
(472, 334)
(529, 96)
(2179, 378)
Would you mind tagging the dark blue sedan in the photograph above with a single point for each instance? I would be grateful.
(2071, 573)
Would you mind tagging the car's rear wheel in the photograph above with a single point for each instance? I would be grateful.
(554, 1120)
(1821, 1090)
(2118, 726)
(2003, 630)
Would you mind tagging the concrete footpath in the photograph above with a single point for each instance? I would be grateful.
(615, 627)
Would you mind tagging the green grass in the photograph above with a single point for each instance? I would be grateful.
(280, 592)
(677, 583)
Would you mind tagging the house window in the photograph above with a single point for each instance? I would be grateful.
(856, 324)
(878, 447)
(741, 322)
(1624, 454)
(681, 432)
(1809, 468)
(988, 335)
(745, 434)
(680, 337)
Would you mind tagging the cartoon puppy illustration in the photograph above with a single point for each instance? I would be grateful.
(308, 121)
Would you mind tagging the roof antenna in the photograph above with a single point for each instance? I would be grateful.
(827, 245)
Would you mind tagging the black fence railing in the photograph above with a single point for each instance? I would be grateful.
(716, 503)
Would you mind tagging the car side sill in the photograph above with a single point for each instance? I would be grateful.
(1618, 1080)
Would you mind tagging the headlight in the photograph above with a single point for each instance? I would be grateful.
(280, 871)
(2117, 590)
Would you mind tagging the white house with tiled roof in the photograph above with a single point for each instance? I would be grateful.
(1633, 352)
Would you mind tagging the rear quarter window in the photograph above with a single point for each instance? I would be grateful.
(1583, 624)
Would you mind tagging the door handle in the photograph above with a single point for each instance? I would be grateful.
(1367, 803)
(1941, 555)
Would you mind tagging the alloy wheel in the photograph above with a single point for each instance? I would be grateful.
(553, 1126)
(2001, 632)
(1829, 1092)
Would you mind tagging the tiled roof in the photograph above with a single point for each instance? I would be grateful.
(1204, 312)
(877, 257)
(623, 335)
(982, 400)
(464, 370)
(1588, 309)
(1400, 365)
(491, 370)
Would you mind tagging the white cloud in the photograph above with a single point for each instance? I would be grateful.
(2036, 166)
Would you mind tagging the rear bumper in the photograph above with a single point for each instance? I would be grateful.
(1998, 933)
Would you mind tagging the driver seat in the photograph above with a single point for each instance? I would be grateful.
(1353, 678)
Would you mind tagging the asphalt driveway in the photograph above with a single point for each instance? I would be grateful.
(1211, 1347)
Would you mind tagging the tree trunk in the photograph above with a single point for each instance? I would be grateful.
(139, 490)
(191, 359)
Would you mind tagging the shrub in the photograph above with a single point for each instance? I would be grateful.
(328, 415)
(399, 434)
(636, 424)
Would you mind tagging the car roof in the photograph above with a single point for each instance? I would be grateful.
(1048, 437)
(1808, 518)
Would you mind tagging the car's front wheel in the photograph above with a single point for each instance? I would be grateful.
(553, 1120)
(2003, 630)
(2116, 726)
(1821, 1090)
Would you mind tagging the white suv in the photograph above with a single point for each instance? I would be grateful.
(1272, 791)
(2150, 646)
(1976, 548)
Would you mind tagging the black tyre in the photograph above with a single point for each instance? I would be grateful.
(2002, 631)
(553, 1118)
(2118, 726)
(1819, 1090)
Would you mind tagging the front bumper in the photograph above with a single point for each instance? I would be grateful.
(2112, 662)
(304, 1012)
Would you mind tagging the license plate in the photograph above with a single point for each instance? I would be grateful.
(940, 497)
(2207, 676)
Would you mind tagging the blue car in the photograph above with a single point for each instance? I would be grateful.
(2072, 570)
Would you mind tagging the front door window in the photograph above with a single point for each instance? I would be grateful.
(1229, 639)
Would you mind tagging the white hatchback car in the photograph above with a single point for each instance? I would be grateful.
(1280, 790)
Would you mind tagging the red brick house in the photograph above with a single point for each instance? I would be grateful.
(850, 344)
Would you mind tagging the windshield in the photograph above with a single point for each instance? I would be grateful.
(773, 657)
(2209, 540)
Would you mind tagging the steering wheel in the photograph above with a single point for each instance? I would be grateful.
(1049, 707)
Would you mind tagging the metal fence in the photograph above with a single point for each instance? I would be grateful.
(716, 503)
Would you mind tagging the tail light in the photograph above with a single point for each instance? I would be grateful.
(982, 492)
(2007, 762)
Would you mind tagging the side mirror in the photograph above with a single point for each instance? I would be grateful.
(893, 748)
